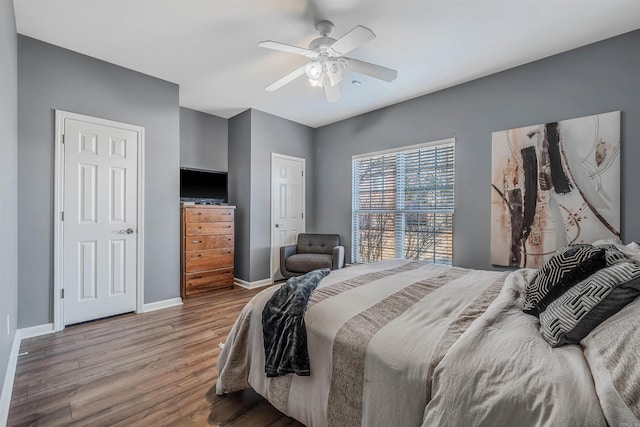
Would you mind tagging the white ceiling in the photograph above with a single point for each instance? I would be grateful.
(209, 48)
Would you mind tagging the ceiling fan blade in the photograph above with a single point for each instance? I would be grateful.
(372, 70)
(286, 79)
(353, 39)
(286, 48)
(332, 92)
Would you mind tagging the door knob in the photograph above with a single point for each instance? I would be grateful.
(278, 225)
(127, 231)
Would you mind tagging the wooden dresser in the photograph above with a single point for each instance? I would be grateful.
(206, 248)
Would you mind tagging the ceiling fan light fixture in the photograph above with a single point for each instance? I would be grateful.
(317, 83)
(313, 71)
(334, 72)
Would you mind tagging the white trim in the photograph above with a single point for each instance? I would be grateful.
(302, 160)
(36, 331)
(58, 228)
(287, 157)
(58, 203)
(140, 242)
(9, 376)
(159, 305)
(398, 156)
(404, 148)
(252, 285)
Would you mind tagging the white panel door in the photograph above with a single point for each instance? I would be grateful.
(287, 204)
(100, 220)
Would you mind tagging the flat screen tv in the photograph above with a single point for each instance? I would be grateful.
(200, 186)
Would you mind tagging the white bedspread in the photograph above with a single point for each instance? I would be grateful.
(501, 372)
(375, 334)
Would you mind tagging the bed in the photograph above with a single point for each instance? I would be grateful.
(405, 343)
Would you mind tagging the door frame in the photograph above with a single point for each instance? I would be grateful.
(58, 204)
(273, 207)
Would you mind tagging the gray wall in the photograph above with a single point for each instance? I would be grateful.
(203, 141)
(8, 182)
(272, 134)
(253, 136)
(53, 78)
(240, 189)
(594, 79)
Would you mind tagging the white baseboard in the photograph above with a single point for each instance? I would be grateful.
(36, 331)
(10, 373)
(252, 285)
(159, 305)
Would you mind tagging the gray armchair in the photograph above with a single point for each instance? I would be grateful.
(311, 252)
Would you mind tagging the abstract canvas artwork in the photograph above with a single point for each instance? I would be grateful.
(552, 185)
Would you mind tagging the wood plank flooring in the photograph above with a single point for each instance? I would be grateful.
(152, 369)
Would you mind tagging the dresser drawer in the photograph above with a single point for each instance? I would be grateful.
(207, 280)
(195, 243)
(207, 259)
(208, 214)
(208, 228)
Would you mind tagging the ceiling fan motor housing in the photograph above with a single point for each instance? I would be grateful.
(325, 27)
(321, 43)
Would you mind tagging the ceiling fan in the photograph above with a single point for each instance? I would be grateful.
(327, 63)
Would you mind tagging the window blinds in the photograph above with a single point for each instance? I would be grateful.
(403, 205)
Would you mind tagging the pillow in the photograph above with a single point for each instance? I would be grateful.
(573, 315)
(633, 251)
(567, 267)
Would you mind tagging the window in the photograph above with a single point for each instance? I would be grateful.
(403, 204)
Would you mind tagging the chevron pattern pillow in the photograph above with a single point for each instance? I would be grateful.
(567, 267)
(572, 316)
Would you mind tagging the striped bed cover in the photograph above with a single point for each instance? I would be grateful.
(375, 332)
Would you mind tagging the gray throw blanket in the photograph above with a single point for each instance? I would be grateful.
(283, 328)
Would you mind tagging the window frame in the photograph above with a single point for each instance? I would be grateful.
(400, 209)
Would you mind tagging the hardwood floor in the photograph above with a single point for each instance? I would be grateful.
(152, 369)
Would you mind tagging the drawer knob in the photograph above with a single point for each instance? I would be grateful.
(198, 213)
(196, 256)
(196, 241)
(198, 277)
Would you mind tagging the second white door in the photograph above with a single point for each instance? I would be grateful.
(287, 204)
